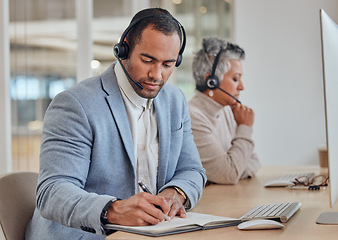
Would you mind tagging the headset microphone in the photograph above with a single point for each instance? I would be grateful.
(125, 71)
(212, 81)
(212, 84)
(230, 95)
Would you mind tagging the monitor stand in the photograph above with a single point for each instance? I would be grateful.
(328, 218)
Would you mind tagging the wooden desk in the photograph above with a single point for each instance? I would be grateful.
(235, 200)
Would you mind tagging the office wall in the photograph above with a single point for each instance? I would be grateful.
(283, 76)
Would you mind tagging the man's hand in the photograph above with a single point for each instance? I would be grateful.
(175, 202)
(243, 114)
(139, 210)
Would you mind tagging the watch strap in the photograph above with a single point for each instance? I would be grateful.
(104, 212)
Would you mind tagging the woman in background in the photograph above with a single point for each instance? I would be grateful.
(221, 125)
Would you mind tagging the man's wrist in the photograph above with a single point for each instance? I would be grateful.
(182, 193)
(103, 216)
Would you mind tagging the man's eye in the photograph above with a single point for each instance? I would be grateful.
(146, 60)
(168, 64)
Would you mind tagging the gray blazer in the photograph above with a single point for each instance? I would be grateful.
(87, 156)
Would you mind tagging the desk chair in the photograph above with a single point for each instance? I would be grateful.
(17, 203)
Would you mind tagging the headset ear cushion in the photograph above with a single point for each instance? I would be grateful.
(179, 60)
(121, 50)
(212, 82)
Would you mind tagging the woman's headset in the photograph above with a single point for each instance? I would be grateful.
(212, 81)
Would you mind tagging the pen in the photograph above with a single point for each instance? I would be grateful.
(146, 189)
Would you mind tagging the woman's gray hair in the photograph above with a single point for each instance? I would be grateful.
(204, 59)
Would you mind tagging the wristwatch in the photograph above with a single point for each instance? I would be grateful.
(180, 191)
(104, 212)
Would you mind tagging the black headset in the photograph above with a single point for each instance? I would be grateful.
(121, 49)
(212, 81)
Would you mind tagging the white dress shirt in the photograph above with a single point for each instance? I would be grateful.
(143, 126)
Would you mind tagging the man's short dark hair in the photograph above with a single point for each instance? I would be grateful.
(160, 20)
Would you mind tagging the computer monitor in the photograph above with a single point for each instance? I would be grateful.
(329, 42)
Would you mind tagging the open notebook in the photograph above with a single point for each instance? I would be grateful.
(198, 221)
(193, 221)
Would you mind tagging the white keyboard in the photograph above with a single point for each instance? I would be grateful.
(292, 177)
(277, 211)
(288, 179)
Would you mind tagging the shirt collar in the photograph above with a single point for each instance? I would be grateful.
(212, 107)
(128, 91)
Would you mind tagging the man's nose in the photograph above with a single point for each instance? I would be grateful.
(155, 72)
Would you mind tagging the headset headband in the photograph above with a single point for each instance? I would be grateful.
(121, 49)
(214, 66)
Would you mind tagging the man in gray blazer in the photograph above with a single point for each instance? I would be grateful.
(108, 132)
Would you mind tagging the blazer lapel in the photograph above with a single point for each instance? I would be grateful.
(116, 104)
(163, 122)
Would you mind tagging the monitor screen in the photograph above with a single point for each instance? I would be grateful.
(329, 40)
